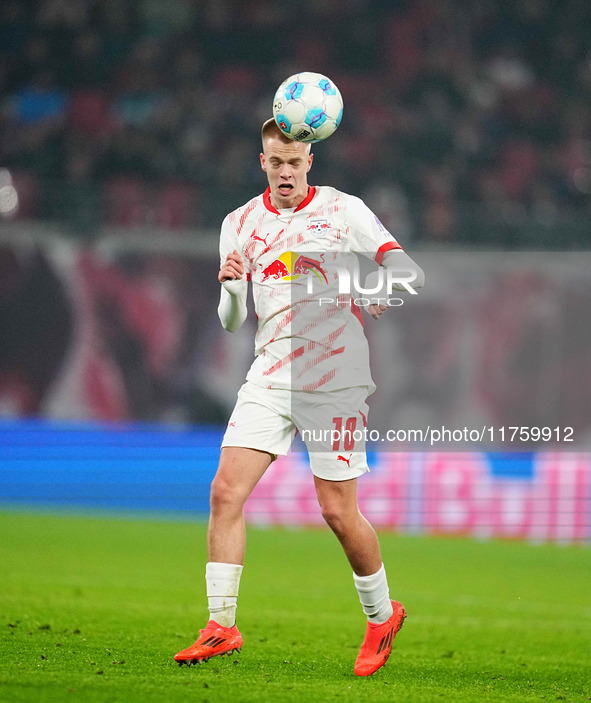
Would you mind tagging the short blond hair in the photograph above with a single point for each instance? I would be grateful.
(270, 130)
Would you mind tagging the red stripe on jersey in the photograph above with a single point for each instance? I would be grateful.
(250, 207)
(286, 360)
(388, 246)
(324, 379)
(319, 359)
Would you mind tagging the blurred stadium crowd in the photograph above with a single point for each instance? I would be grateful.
(465, 122)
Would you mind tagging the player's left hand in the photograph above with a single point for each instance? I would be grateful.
(376, 311)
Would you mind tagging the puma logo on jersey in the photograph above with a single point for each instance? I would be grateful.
(260, 239)
(347, 461)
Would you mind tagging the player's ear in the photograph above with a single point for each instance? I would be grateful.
(263, 162)
(310, 159)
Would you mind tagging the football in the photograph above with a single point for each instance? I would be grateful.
(307, 107)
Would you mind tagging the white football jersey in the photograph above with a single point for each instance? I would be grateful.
(310, 337)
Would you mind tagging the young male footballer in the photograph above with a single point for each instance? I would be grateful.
(311, 372)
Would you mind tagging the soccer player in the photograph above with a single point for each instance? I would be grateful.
(311, 370)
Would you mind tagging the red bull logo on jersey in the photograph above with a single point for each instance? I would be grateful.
(290, 266)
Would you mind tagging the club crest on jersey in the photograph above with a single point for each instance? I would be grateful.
(318, 227)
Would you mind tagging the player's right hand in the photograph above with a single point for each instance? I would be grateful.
(376, 311)
(232, 269)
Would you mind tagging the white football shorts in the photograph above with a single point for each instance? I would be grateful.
(331, 424)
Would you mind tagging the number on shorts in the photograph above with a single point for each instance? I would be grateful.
(346, 435)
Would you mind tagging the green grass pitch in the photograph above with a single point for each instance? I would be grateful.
(93, 609)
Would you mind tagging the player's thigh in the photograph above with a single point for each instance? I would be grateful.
(239, 471)
(261, 420)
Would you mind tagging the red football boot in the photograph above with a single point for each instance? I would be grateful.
(213, 641)
(377, 644)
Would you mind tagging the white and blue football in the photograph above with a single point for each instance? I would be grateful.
(308, 107)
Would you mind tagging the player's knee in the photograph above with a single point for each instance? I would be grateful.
(224, 495)
(336, 518)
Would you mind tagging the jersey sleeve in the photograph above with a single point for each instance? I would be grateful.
(368, 236)
(229, 241)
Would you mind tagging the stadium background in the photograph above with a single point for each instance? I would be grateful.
(129, 129)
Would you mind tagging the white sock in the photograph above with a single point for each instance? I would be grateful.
(374, 596)
(223, 581)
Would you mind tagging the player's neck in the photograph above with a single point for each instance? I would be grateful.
(282, 204)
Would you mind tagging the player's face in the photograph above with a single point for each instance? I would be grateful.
(286, 166)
